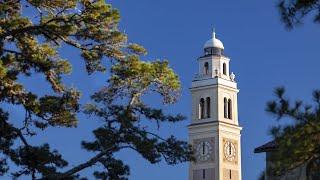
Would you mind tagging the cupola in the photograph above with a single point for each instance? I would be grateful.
(213, 46)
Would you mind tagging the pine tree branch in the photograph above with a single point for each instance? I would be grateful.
(11, 51)
(85, 165)
(293, 167)
(26, 144)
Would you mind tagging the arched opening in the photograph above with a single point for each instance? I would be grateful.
(206, 68)
(224, 69)
(208, 104)
(229, 109)
(225, 106)
(201, 109)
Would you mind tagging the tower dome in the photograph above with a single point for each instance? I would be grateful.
(213, 42)
(213, 46)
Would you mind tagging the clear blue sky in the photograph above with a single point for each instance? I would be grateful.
(263, 55)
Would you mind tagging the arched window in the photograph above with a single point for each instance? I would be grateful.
(229, 109)
(201, 109)
(208, 104)
(225, 105)
(206, 68)
(224, 69)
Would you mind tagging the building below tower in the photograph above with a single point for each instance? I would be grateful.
(302, 172)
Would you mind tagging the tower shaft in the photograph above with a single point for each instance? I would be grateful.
(214, 131)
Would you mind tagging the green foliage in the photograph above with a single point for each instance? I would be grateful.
(293, 12)
(40, 158)
(30, 45)
(298, 140)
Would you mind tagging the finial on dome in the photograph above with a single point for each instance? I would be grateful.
(213, 33)
(213, 42)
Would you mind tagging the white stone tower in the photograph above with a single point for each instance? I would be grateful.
(214, 131)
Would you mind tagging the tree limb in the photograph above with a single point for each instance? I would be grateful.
(85, 165)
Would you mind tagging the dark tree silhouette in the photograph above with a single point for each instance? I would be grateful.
(293, 12)
(297, 141)
(30, 44)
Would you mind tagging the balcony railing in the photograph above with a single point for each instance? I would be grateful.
(203, 76)
(231, 77)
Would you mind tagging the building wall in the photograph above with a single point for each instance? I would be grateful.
(216, 133)
(230, 170)
(204, 92)
(204, 174)
(298, 173)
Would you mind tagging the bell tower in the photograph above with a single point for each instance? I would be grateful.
(214, 131)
